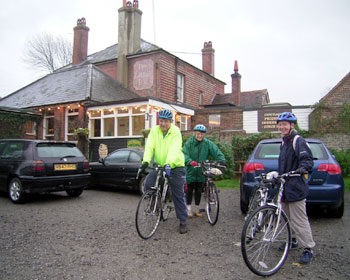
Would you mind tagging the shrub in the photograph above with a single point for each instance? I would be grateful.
(242, 147)
(343, 157)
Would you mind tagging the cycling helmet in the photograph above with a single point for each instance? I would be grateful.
(200, 127)
(287, 116)
(165, 114)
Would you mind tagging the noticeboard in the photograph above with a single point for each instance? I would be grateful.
(267, 120)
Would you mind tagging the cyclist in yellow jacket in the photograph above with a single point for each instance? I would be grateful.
(165, 143)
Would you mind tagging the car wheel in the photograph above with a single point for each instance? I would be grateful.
(16, 191)
(142, 185)
(338, 212)
(74, 192)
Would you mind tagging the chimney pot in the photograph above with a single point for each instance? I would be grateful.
(80, 44)
(208, 60)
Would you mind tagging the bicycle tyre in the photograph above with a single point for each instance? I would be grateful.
(148, 214)
(260, 246)
(212, 203)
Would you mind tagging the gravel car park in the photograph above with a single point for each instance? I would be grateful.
(93, 236)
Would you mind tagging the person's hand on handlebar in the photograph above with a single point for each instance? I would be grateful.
(301, 170)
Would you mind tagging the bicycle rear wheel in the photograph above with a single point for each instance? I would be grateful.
(212, 203)
(264, 232)
(148, 214)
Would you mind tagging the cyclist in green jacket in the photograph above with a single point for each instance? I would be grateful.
(197, 149)
(165, 143)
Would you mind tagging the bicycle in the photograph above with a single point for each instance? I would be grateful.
(266, 229)
(210, 170)
(260, 194)
(155, 205)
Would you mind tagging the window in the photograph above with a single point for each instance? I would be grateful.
(13, 150)
(50, 150)
(138, 123)
(72, 122)
(108, 129)
(30, 127)
(201, 98)
(95, 128)
(123, 126)
(180, 87)
(134, 157)
(214, 121)
(119, 156)
(49, 126)
(183, 123)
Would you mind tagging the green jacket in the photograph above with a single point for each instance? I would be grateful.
(199, 151)
(166, 150)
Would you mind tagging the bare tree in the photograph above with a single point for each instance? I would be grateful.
(47, 53)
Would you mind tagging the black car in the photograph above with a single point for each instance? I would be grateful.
(36, 166)
(119, 169)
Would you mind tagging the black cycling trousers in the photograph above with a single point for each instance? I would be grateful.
(197, 188)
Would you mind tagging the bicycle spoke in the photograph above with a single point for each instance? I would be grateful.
(212, 204)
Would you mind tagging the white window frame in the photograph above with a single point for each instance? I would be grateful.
(115, 115)
(180, 82)
(66, 121)
(45, 125)
(33, 132)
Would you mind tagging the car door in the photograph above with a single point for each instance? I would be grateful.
(11, 156)
(131, 168)
(114, 168)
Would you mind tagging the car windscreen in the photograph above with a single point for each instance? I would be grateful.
(272, 151)
(50, 150)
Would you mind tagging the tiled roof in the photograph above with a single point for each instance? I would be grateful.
(75, 84)
(111, 53)
(249, 99)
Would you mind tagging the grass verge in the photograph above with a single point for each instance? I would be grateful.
(228, 183)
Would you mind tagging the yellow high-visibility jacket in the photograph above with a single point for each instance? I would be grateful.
(166, 149)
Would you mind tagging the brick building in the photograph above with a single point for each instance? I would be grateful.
(326, 122)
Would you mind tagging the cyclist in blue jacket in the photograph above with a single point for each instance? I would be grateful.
(296, 157)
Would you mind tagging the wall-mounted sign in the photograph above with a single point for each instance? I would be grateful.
(135, 143)
(143, 74)
(267, 119)
(102, 150)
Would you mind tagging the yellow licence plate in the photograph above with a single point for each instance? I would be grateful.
(67, 166)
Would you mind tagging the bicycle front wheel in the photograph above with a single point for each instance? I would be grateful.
(148, 214)
(212, 203)
(167, 206)
(263, 236)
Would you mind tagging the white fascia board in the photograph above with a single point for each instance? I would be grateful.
(171, 107)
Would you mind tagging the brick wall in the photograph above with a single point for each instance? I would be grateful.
(230, 118)
(325, 118)
(164, 79)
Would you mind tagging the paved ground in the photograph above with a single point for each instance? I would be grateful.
(94, 237)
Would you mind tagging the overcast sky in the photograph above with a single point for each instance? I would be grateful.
(297, 49)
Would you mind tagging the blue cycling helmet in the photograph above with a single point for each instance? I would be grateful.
(200, 127)
(165, 114)
(287, 116)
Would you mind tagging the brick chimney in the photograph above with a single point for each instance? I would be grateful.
(208, 62)
(80, 45)
(129, 36)
(236, 86)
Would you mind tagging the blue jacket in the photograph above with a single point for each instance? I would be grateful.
(296, 188)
